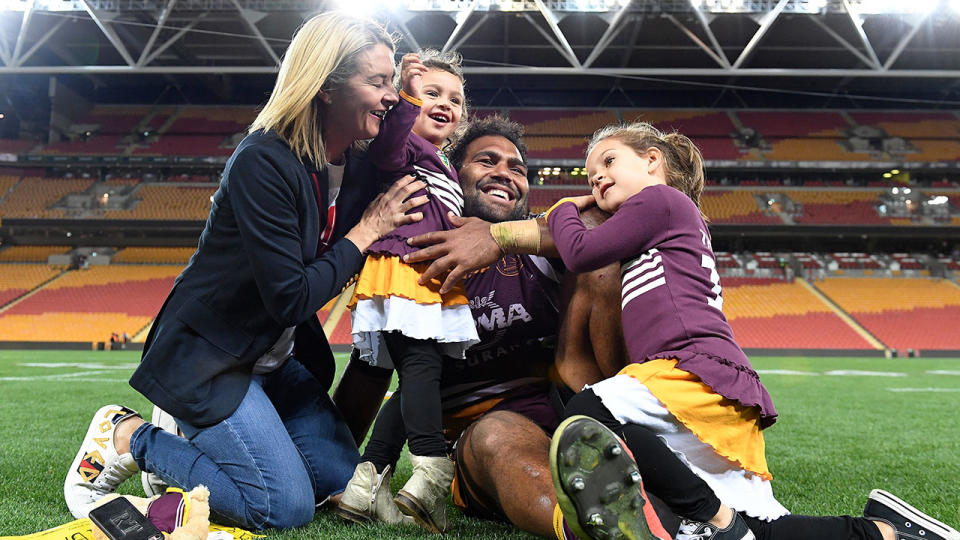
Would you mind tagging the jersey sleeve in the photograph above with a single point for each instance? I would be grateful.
(393, 148)
(642, 222)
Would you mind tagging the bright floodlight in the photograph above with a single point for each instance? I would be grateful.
(359, 8)
(896, 6)
(12, 5)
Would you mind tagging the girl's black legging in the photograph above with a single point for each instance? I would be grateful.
(665, 476)
(414, 412)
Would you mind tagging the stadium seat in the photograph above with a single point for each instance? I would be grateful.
(769, 313)
(903, 313)
(88, 305)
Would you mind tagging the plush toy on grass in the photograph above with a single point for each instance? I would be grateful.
(179, 515)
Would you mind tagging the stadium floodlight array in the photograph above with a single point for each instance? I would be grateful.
(456, 6)
(872, 7)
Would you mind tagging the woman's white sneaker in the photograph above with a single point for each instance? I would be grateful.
(98, 470)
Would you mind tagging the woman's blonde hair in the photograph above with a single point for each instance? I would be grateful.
(323, 55)
(683, 164)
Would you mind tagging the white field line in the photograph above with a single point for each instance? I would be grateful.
(61, 376)
(942, 372)
(859, 373)
(87, 365)
(786, 372)
(924, 390)
(79, 379)
(836, 372)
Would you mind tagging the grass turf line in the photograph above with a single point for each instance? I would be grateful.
(837, 437)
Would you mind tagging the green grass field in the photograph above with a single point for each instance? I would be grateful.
(892, 424)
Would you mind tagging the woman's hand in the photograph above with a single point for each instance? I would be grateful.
(388, 211)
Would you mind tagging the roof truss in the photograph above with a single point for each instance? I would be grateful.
(259, 30)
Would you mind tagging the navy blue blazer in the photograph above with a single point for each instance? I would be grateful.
(255, 273)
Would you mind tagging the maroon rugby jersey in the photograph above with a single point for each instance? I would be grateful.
(398, 151)
(671, 294)
(515, 305)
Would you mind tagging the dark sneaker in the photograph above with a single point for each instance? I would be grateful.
(696, 530)
(598, 486)
(910, 523)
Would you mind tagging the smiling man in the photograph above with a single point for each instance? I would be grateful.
(500, 401)
(500, 404)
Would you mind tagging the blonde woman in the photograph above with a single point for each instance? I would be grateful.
(236, 354)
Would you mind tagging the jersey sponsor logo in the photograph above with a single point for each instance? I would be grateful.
(492, 319)
(443, 188)
(641, 275)
(498, 318)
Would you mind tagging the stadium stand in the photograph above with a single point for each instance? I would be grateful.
(7, 181)
(810, 149)
(734, 206)
(97, 145)
(33, 254)
(341, 332)
(856, 261)
(692, 123)
(911, 124)
(720, 148)
(33, 196)
(903, 313)
(551, 147)
(212, 120)
(726, 261)
(153, 255)
(541, 199)
(934, 150)
(769, 313)
(837, 206)
(88, 305)
(808, 261)
(905, 261)
(159, 201)
(16, 146)
(19, 279)
(186, 145)
(807, 124)
(113, 119)
(562, 122)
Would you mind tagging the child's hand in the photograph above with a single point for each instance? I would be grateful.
(411, 74)
(583, 201)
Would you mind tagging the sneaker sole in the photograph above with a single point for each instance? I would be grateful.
(350, 513)
(916, 516)
(410, 506)
(582, 450)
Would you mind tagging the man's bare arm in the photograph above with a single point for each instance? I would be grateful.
(468, 248)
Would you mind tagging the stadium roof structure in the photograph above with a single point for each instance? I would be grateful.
(698, 53)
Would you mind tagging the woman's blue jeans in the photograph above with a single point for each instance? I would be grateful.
(284, 450)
